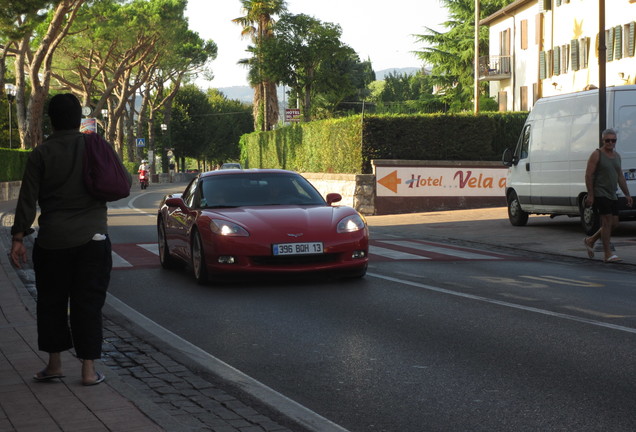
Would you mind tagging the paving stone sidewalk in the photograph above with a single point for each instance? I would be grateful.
(145, 389)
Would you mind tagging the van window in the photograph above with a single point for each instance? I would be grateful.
(524, 142)
(584, 135)
(626, 128)
(555, 134)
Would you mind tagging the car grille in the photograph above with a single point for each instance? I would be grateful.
(294, 260)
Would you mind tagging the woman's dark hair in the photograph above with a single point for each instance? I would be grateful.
(65, 112)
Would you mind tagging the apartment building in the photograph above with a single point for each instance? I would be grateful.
(541, 48)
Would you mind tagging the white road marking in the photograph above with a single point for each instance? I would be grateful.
(505, 304)
(441, 250)
(119, 262)
(393, 254)
(385, 252)
(150, 247)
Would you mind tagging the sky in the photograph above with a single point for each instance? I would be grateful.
(378, 30)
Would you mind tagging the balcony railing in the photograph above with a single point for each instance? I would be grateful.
(494, 68)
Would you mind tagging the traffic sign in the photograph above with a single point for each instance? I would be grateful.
(141, 142)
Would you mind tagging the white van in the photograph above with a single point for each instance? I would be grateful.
(546, 172)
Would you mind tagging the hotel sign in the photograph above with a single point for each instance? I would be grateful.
(440, 181)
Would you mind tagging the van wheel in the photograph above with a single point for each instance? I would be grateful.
(516, 215)
(590, 220)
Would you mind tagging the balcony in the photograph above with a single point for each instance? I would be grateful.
(494, 68)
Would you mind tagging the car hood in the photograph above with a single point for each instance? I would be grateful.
(284, 220)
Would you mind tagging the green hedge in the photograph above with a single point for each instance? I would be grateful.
(338, 146)
(332, 146)
(12, 163)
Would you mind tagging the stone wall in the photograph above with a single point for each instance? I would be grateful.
(9, 190)
(357, 190)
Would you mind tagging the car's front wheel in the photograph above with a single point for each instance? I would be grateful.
(165, 258)
(198, 259)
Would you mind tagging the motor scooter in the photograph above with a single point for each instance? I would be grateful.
(143, 179)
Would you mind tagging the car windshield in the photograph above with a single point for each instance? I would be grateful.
(258, 189)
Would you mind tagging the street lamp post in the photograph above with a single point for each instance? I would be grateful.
(164, 156)
(105, 118)
(11, 91)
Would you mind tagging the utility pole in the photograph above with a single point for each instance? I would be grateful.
(602, 60)
(476, 92)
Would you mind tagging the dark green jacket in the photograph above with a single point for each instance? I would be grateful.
(70, 216)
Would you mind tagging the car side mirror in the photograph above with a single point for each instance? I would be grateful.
(508, 158)
(175, 202)
(333, 198)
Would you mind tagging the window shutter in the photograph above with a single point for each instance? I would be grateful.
(574, 54)
(609, 44)
(524, 34)
(632, 26)
(546, 5)
(618, 42)
(558, 2)
(556, 65)
(542, 74)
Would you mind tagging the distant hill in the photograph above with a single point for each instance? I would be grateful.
(381, 74)
(242, 93)
(246, 94)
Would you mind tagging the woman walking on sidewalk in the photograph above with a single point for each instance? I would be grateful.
(72, 252)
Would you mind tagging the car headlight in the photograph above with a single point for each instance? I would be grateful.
(350, 224)
(226, 228)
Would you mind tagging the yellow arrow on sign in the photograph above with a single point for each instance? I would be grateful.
(391, 181)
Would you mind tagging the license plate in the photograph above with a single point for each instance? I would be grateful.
(297, 248)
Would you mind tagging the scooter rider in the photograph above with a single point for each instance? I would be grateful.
(143, 174)
(144, 165)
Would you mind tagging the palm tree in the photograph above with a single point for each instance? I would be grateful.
(257, 24)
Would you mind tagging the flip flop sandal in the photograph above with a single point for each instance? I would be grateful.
(100, 378)
(42, 376)
(613, 259)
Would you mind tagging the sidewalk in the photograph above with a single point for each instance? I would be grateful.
(147, 390)
(26, 405)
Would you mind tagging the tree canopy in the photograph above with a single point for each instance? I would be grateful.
(305, 53)
(257, 23)
(451, 54)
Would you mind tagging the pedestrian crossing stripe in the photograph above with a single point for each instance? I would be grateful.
(429, 250)
(129, 255)
(394, 254)
(119, 262)
(152, 247)
(146, 254)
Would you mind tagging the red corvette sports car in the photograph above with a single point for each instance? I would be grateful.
(240, 222)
